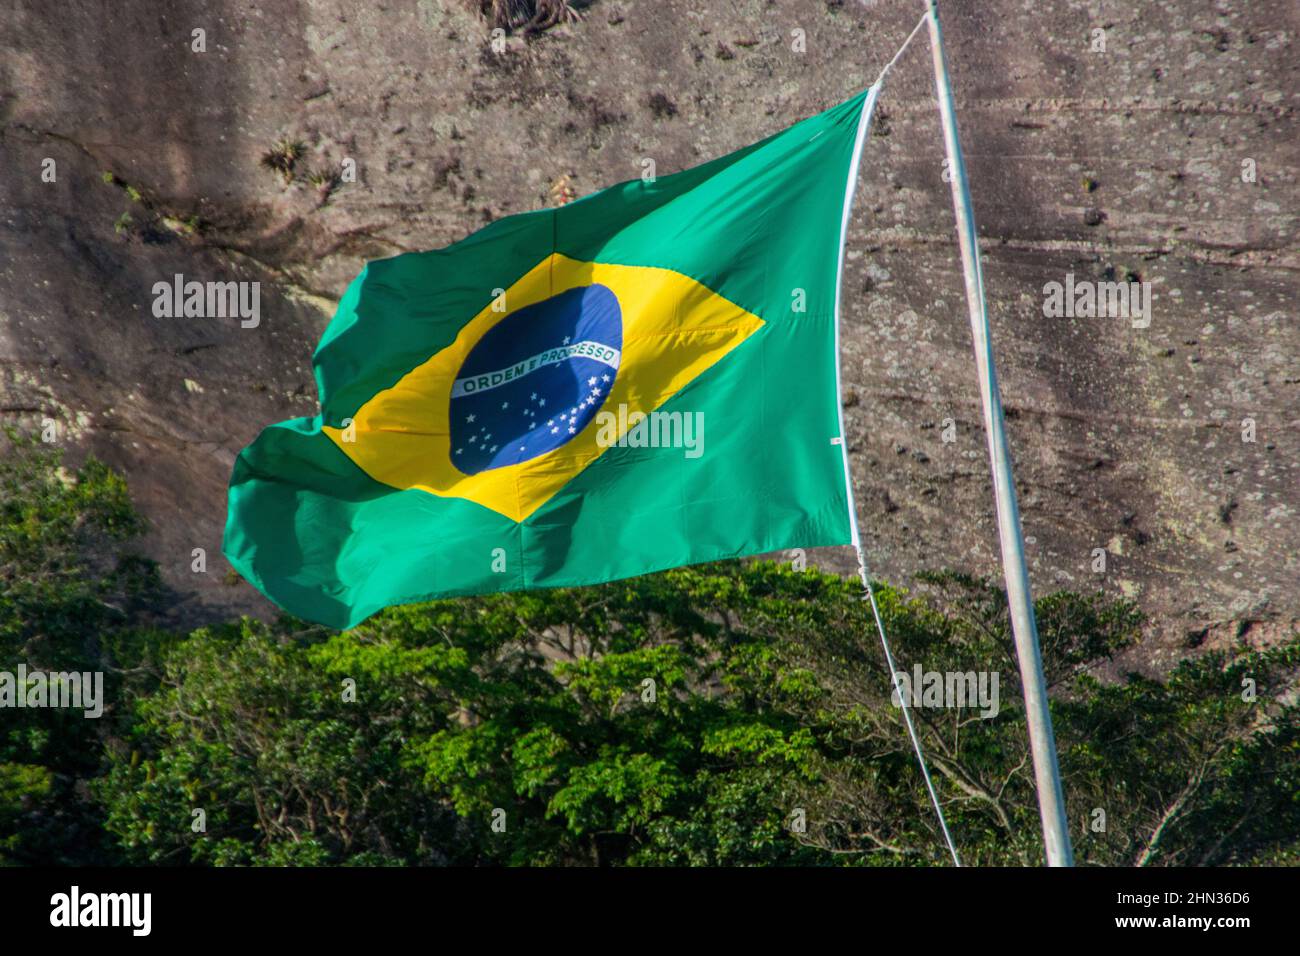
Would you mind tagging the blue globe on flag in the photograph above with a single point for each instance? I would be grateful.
(535, 379)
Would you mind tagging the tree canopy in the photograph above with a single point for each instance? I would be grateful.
(731, 714)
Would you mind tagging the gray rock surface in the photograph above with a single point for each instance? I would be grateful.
(1122, 163)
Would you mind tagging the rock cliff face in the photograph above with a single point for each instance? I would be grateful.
(1148, 143)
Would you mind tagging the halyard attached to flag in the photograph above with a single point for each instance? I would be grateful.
(464, 442)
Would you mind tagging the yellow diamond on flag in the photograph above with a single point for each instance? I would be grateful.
(510, 411)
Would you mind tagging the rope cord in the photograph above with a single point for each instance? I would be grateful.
(869, 594)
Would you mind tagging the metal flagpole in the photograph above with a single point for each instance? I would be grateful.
(1042, 742)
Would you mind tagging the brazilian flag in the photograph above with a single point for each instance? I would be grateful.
(642, 379)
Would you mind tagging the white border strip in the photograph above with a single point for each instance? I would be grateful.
(864, 123)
